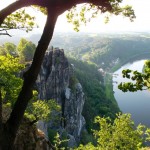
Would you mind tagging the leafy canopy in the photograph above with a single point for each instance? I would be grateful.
(17, 20)
(119, 135)
(77, 15)
(26, 50)
(84, 13)
(41, 109)
(141, 81)
(10, 84)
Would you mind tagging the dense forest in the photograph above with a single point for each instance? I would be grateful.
(97, 102)
(106, 51)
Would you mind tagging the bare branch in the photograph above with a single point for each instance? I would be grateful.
(6, 32)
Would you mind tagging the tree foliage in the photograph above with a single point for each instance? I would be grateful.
(76, 15)
(10, 84)
(96, 101)
(26, 50)
(119, 135)
(141, 81)
(18, 20)
(41, 109)
(83, 14)
(8, 48)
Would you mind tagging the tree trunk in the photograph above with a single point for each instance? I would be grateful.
(0, 108)
(12, 125)
(1, 125)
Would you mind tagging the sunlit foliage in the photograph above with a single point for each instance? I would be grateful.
(18, 20)
(77, 15)
(26, 50)
(84, 13)
(141, 81)
(41, 109)
(10, 83)
(119, 135)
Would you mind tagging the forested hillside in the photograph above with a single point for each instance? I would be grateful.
(104, 50)
(96, 101)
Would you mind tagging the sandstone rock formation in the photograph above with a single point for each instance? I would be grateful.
(57, 81)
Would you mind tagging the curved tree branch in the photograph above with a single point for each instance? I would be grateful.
(19, 4)
(59, 4)
(11, 8)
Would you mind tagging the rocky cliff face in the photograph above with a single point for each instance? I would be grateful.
(57, 81)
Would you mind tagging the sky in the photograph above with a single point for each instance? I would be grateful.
(116, 23)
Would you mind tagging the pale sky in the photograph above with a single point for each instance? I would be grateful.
(141, 23)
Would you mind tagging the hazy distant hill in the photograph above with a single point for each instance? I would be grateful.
(106, 50)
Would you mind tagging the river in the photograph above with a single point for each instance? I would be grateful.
(137, 103)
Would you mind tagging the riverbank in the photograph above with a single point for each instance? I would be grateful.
(135, 103)
(131, 59)
(109, 89)
(108, 78)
